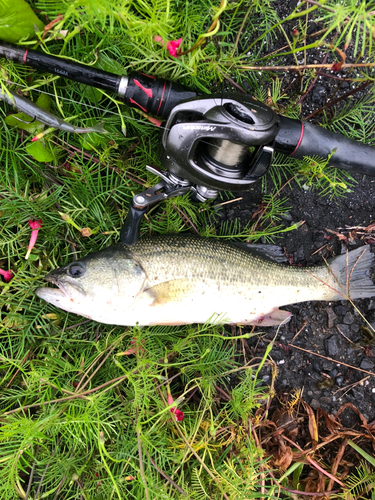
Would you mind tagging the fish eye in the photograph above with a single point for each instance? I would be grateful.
(76, 270)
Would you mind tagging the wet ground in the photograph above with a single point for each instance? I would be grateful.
(310, 351)
(327, 349)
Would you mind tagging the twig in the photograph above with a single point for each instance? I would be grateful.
(15, 373)
(223, 393)
(299, 331)
(114, 381)
(77, 324)
(304, 66)
(329, 104)
(168, 381)
(95, 371)
(318, 4)
(200, 460)
(240, 30)
(315, 464)
(334, 360)
(298, 492)
(59, 487)
(336, 463)
(311, 84)
(346, 338)
(65, 391)
(30, 480)
(221, 204)
(132, 177)
(44, 473)
(319, 249)
(186, 218)
(141, 469)
(350, 386)
(335, 77)
(232, 82)
(165, 475)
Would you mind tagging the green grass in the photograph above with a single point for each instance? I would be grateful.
(78, 418)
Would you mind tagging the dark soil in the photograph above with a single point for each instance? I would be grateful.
(335, 330)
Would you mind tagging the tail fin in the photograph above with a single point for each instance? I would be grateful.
(352, 273)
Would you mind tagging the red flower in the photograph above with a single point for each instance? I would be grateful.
(7, 275)
(35, 226)
(172, 45)
(178, 413)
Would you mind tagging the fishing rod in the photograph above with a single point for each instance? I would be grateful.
(210, 142)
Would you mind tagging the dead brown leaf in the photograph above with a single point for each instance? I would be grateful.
(313, 428)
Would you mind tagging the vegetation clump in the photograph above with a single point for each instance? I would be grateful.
(91, 411)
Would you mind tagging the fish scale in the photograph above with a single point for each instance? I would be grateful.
(182, 279)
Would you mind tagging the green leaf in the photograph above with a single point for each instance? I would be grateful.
(93, 140)
(91, 94)
(44, 101)
(106, 63)
(26, 122)
(17, 21)
(365, 455)
(40, 150)
(33, 257)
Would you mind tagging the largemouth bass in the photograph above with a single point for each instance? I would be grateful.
(176, 279)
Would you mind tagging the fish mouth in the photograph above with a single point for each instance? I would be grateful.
(67, 290)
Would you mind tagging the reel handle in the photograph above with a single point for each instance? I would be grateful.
(130, 231)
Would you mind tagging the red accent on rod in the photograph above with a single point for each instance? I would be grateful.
(24, 56)
(300, 139)
(148, 92)
(162, 97)
(139, 106)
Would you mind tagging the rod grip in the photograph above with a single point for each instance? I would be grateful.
(299, 139)
(350, 155)
(155, 95)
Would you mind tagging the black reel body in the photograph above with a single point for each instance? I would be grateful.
(206, 140)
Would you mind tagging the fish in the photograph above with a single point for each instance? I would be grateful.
(38, 113)
(185, 279)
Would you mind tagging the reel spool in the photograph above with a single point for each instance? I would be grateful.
(207, 141)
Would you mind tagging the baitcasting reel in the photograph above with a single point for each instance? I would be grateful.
(207, 141)
(209, 144)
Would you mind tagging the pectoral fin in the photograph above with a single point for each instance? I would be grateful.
(174, 291)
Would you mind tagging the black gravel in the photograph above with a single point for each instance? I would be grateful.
(337, 330)
(321, 330)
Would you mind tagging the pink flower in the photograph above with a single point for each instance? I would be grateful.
(172, 46)
(35, 226)
(7, 275)
(178, 413)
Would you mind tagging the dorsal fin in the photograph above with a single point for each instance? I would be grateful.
(273, 253)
